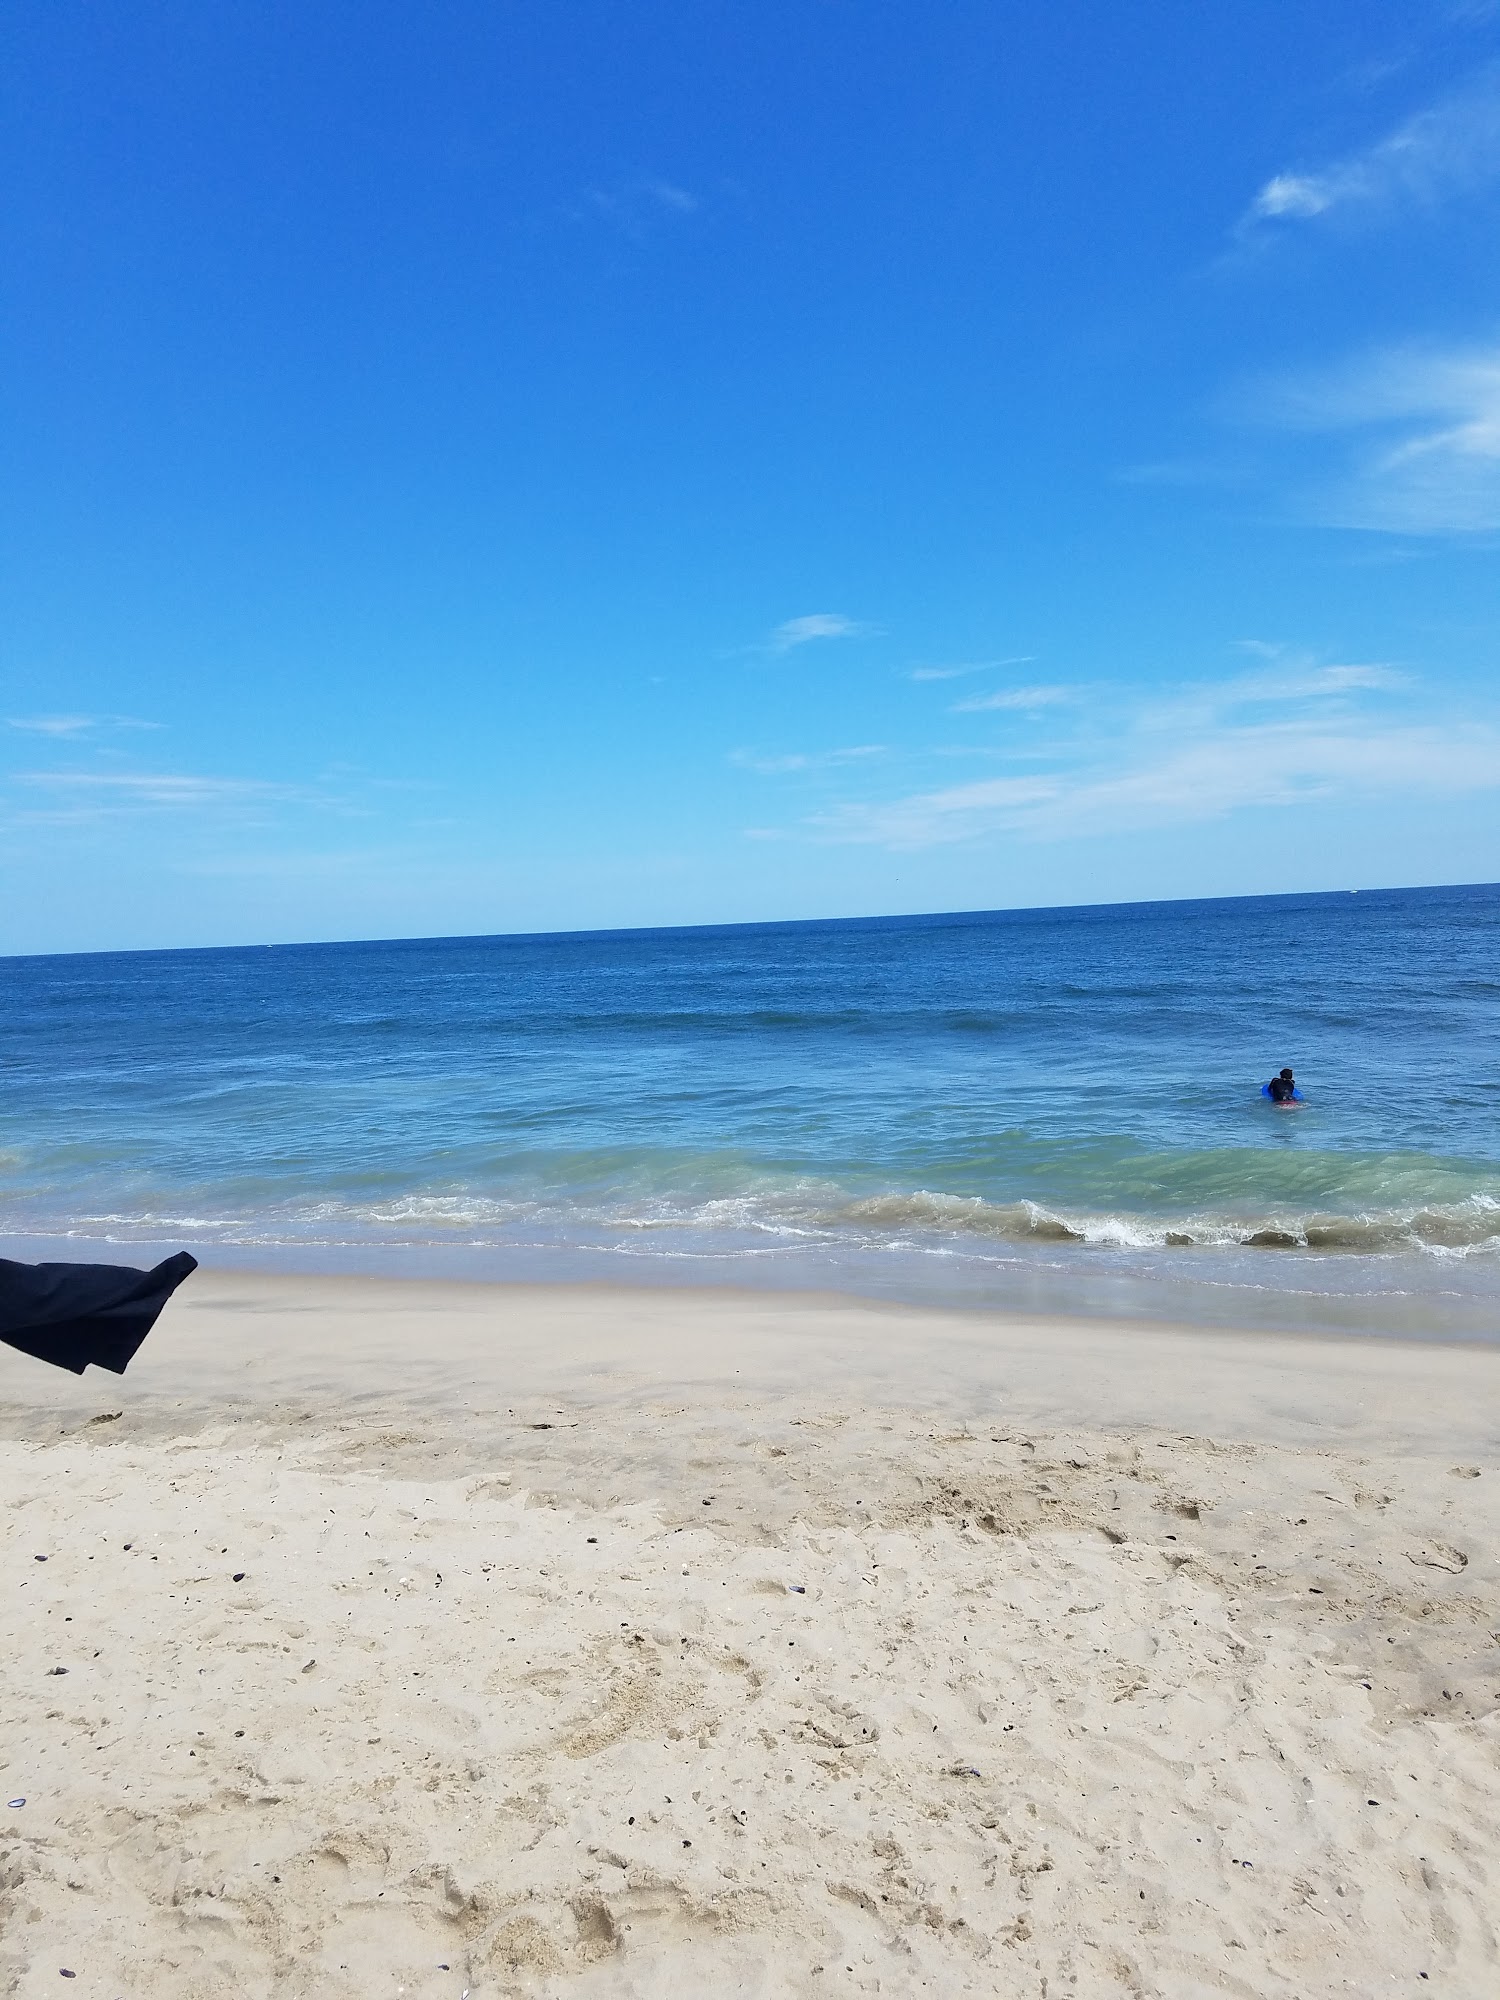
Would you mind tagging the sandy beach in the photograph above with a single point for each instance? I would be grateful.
(383, 1638)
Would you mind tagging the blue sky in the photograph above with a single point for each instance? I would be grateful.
(486, 466)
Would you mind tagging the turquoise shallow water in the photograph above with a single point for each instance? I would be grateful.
(1040, 1104)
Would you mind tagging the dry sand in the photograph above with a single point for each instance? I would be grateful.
(421, 1639)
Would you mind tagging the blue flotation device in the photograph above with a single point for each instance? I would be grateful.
(1296, 1096)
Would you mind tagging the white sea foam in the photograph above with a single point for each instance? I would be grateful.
(798, 1214)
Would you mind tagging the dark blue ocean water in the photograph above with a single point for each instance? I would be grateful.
(972, 1106)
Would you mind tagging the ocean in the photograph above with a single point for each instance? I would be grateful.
(1044, 1109)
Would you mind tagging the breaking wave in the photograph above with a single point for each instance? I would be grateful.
(1472, 1224)
(807, 1214)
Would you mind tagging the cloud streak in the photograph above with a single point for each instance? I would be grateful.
(75, 797)
(74, 725)
(1416, 433)
(1268, 764)
(804, 760)
(1448, 148)
(635, 206)
(813, 625)
(1024, 700)
(969, 667)
(1289, 732)
(157, 787)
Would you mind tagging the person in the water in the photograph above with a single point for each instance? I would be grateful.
(1282, 1089)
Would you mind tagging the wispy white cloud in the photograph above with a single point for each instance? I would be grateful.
(816, 625)
(76, 795)
(1418, 434)
(671, 196)
(1447, 148)
(1024, 700)
(804, 760)
(1265, 764)
(933, 819)
(1293, 683)
(634, 206)
(156, 787)
(965, 667)
(52, 725)
(1290, 731)
(1303, 681)
(1288, 679)
(75, 725)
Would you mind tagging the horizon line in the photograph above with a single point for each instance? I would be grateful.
(914, 917)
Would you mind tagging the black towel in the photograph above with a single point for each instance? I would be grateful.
(74, 1314)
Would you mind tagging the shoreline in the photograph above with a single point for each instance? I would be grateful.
(241, 1337)
(536, 1641)
(1300, 1293)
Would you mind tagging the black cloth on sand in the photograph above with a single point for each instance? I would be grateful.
(74, 1314)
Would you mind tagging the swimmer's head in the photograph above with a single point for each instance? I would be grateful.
(1286, 1076)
